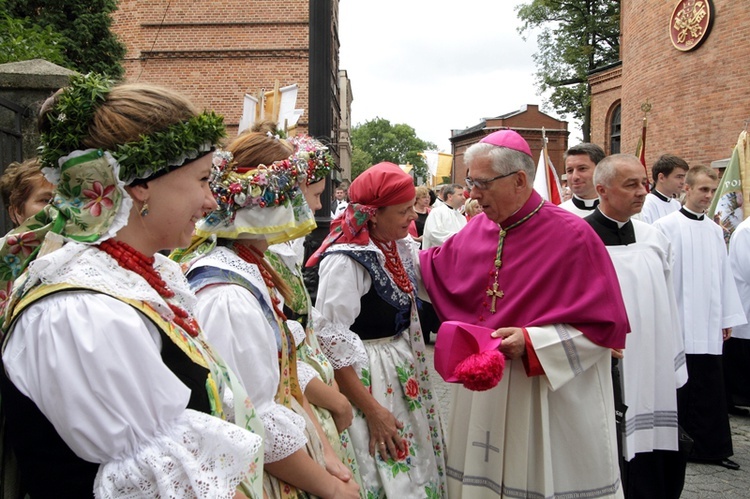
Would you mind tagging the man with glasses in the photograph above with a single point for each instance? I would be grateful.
(548, 428)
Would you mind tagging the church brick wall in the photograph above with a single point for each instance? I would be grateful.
(699, 99)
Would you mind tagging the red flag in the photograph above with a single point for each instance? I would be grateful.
(546, 182)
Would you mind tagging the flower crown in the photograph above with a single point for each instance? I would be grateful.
(272, 185)
(311, 157)
(70, 118)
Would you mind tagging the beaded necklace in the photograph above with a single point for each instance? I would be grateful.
(133, 260)
(252, 255)
(394, 265)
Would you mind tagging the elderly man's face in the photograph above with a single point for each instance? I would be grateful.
(627, 192)
(502, 197)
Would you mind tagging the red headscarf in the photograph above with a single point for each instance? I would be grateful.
(384, 184)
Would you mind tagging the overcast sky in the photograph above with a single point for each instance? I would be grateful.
(436, 65)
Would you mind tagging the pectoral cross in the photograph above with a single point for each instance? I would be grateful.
(495, 294)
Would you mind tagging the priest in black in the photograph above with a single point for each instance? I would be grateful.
(652, 365)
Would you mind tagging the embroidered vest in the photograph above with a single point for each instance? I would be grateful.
(385, 310)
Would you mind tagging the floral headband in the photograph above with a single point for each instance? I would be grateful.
(265, 186)
(161, 151)
(312, 157)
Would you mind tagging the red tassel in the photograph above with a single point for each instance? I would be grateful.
(481, 371)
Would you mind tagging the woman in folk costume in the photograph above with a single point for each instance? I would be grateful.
(240, 301)
(108, 387)
(373, 338)
(315, 373)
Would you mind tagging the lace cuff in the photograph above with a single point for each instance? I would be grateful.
(342, 346)
(298, 332)
(305, 374)
(196, 456)
(285, 433)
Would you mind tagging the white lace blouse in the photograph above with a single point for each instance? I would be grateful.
(234, 323)
(92, 365)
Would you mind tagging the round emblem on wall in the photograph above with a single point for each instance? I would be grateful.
(690, 23)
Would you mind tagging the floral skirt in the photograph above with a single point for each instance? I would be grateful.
(393, 381)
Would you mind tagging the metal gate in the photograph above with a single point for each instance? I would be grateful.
(11, 146)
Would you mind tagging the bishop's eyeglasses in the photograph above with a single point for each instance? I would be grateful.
(483, 184)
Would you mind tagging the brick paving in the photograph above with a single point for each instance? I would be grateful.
(702, 481)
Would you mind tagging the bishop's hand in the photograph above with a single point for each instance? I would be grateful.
(514, 342)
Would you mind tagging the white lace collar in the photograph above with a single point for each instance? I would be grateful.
(88, 267)
(224, 258)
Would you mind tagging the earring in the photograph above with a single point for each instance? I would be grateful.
(144, 210)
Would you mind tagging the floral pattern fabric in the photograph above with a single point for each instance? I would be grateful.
(397, 376)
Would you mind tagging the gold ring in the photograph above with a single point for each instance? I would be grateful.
(382, 443)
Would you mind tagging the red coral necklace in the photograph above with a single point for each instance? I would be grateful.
(252, 255)
(131, 259)
(394, 265)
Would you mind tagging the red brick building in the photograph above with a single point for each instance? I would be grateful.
(528, 122)
(217, 51)
(699, 98)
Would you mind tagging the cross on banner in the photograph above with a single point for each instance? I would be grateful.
(487, 447)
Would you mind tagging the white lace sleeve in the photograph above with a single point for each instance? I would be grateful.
(342, 284)
(196, 456)
(284, 433)
(305, 374)
(236, 327)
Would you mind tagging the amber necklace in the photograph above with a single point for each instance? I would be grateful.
(394, 265)
(131, 259)
(253, 255)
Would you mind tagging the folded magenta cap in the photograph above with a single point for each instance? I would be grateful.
(473, 349)
(509, 139)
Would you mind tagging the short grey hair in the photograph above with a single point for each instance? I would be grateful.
(606, 169)
(503, 159)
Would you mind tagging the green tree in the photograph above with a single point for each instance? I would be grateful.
(577, 37)
(377, 140)
(21, 40)
(360, 162)
(87, 42)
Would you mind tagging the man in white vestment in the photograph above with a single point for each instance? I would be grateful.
(736, 356)
(709, 307)
(547, 429)
(653, 364)
(444, 219)
(668, 174)
(580, 164)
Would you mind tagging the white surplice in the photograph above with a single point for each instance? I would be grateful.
(442, 222)
(739, 259)
(706, 293)
(653, 365)
(655, 208)
(571, 206)
(506, 439)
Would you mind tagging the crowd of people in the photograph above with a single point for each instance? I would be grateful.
(211, 372)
